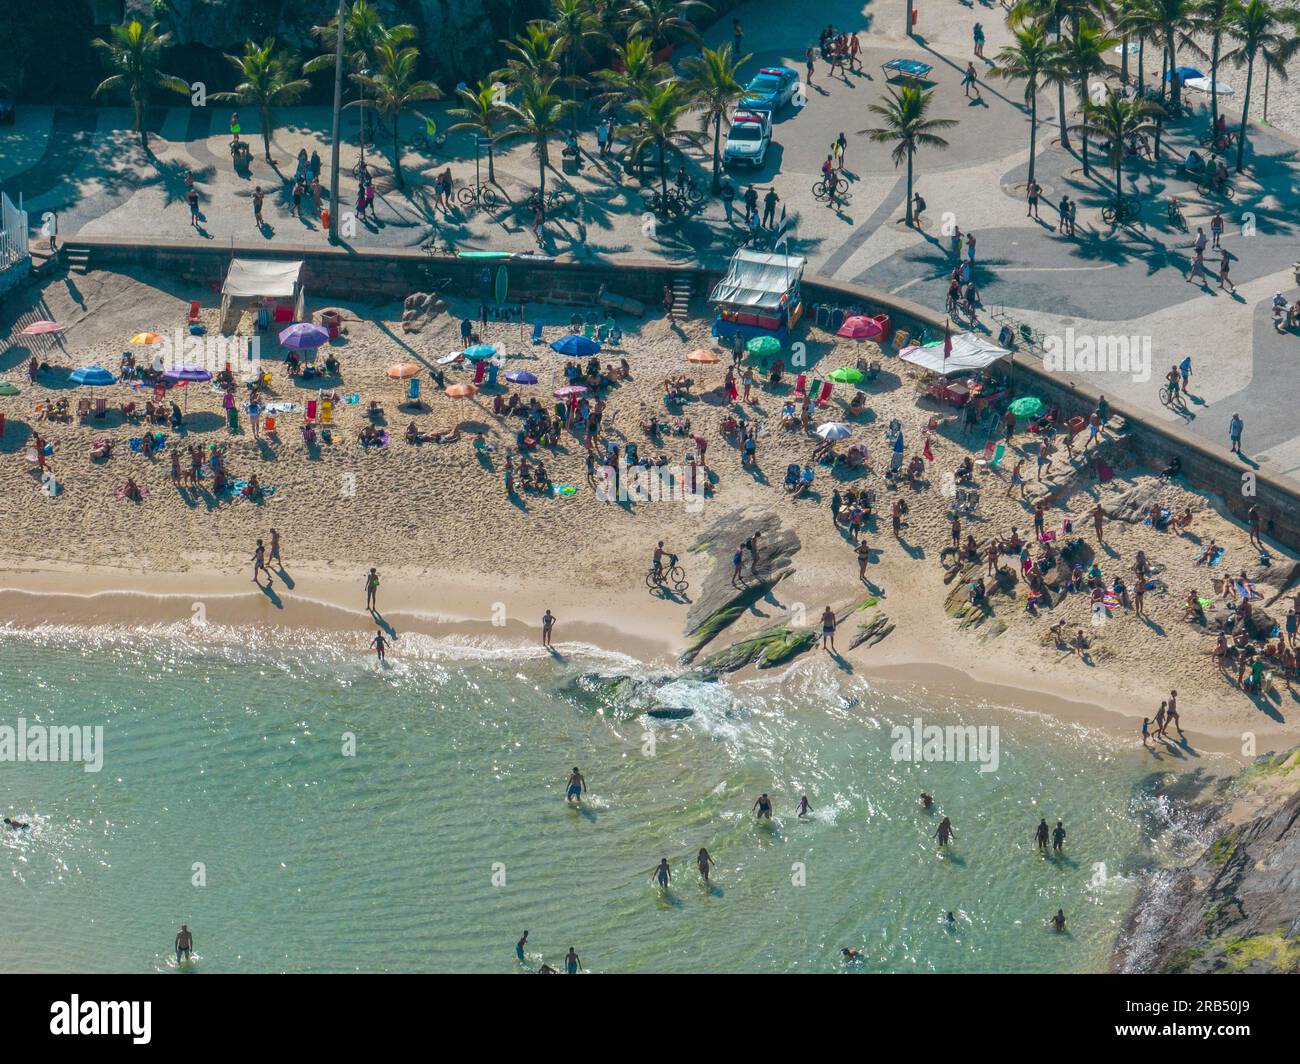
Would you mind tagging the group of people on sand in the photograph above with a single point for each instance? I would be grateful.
(1166, 718)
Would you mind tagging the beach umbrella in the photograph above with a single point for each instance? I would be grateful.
(834, 430)
(460, 391)
(859, 327)
(575, 345)
(6, 388)
(146, 338)
(700, 355)
(520, 376)
(40, 328)
(180, 376)
(402, 371)
(764, 345)
(1027, 406)
(92, 375)
(304, 335)
(847, 375)
(1207, 85)
(568, 390)
(479, 352)
(1185, 72)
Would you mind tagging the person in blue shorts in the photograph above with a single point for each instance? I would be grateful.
(571, 961)
(519, 946)
(577, 785)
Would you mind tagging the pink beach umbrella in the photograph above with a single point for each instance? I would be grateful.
(569, 390)
(40, 328)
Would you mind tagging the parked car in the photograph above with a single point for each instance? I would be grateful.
(6, 107)
(748, 139)
(771, 89)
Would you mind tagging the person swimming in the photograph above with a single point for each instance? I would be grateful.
(519, 946)
(763, 807)
(945, 832)
(576, 786)
(850, 954)
(1040, 834)
(703, 860)
(804, 807)
(926, 800)
(17, 825)
(1058, 921)
(662, 873)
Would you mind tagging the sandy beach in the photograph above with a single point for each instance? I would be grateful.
(457, 558)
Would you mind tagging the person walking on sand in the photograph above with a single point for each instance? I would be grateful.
(828, 628)
(259, 565)
(275, 551)
(977, 32)
(548, 623)
(864, 556)
(372, 591)
(1160, 721)
(1098, 516)
(380, 644)
(1171, 714)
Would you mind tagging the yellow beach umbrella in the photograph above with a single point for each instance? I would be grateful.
(146, 338)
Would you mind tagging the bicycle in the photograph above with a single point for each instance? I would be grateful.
(1207, 185)
(482, 195)
(360, 171)
(1127, 210)
(1169, 396)
(837, 185)
(689, 192)
(661, 578)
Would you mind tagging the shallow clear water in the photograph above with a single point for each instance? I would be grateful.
(446, 833)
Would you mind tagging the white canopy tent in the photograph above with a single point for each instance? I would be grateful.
(758, 279)
(255, 279)
(969, 353)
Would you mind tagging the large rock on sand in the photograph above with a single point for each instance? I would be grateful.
(420, 308)
(719, 602)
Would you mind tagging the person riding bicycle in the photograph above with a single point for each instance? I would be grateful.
(1220, 175)
(658, 563)
(1175, 211)
(680, 180)
(828, 178)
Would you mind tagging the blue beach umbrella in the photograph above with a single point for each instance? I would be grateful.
(575, 345)
(520, 376)
(93, 375)
(479, 352)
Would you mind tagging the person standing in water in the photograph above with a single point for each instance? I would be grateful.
(804, 807)
(662, 873)
(1040, 836)
(1058, 921)
(576, 786)
(1058, 837)
(703, 860)
(926, 800)
(184, 944)
(372, 591)
(519, 946)
(945, 832)
(763, 807)
(380, 644)
(548, 622)
(571, 962)
(951, 921)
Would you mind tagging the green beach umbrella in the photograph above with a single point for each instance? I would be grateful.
(8, 389)
(764, 345)
(847, 375)
(1027, 406)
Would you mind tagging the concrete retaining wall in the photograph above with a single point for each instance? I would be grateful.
(384, 275)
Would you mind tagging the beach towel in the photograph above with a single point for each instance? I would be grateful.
(1245, 589)
(351, 399)
(381, 442)
(563, 489)
(238, 486)
(120, 492)
(283, 408)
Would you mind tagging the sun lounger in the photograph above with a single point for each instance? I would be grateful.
(912, 69)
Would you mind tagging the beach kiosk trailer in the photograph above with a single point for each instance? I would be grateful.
(759, 296)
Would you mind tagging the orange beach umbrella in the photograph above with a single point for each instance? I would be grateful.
(403, 371)
(700, 355)
(461, 391)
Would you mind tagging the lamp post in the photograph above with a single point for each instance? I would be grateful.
(334, 140)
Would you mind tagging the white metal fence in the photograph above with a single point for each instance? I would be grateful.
(13, 234)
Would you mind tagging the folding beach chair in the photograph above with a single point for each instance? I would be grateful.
(800, 383)
(825, 396)
(998, 454)
(101, 407)
(602, 334)
(83, 408)
(283, 313)
(326, 411)
(615, 337)
(589, 330)
(194, 311)
(268, 424)
(311, 410)
(159, 393)
(537, 332)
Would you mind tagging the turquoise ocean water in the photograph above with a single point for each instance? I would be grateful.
(231, 799)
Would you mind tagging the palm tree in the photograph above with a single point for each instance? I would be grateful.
(394, 88)
(268, 83)
(664, 21)
(1174, 21)
(634, 73)
(133, 52)
(905, 125)
(1207, 20)
(1259, 32)
(481, 113)
(531, 55)
(656, 118)
(1115, 121)
(537, 114)
(1051, 15)
(573, 27)
(713, 89)
(363, 34)
(1037, 62)
(1136, 20)
(1085, 55)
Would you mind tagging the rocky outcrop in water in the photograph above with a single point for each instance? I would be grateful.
(1236, 908)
